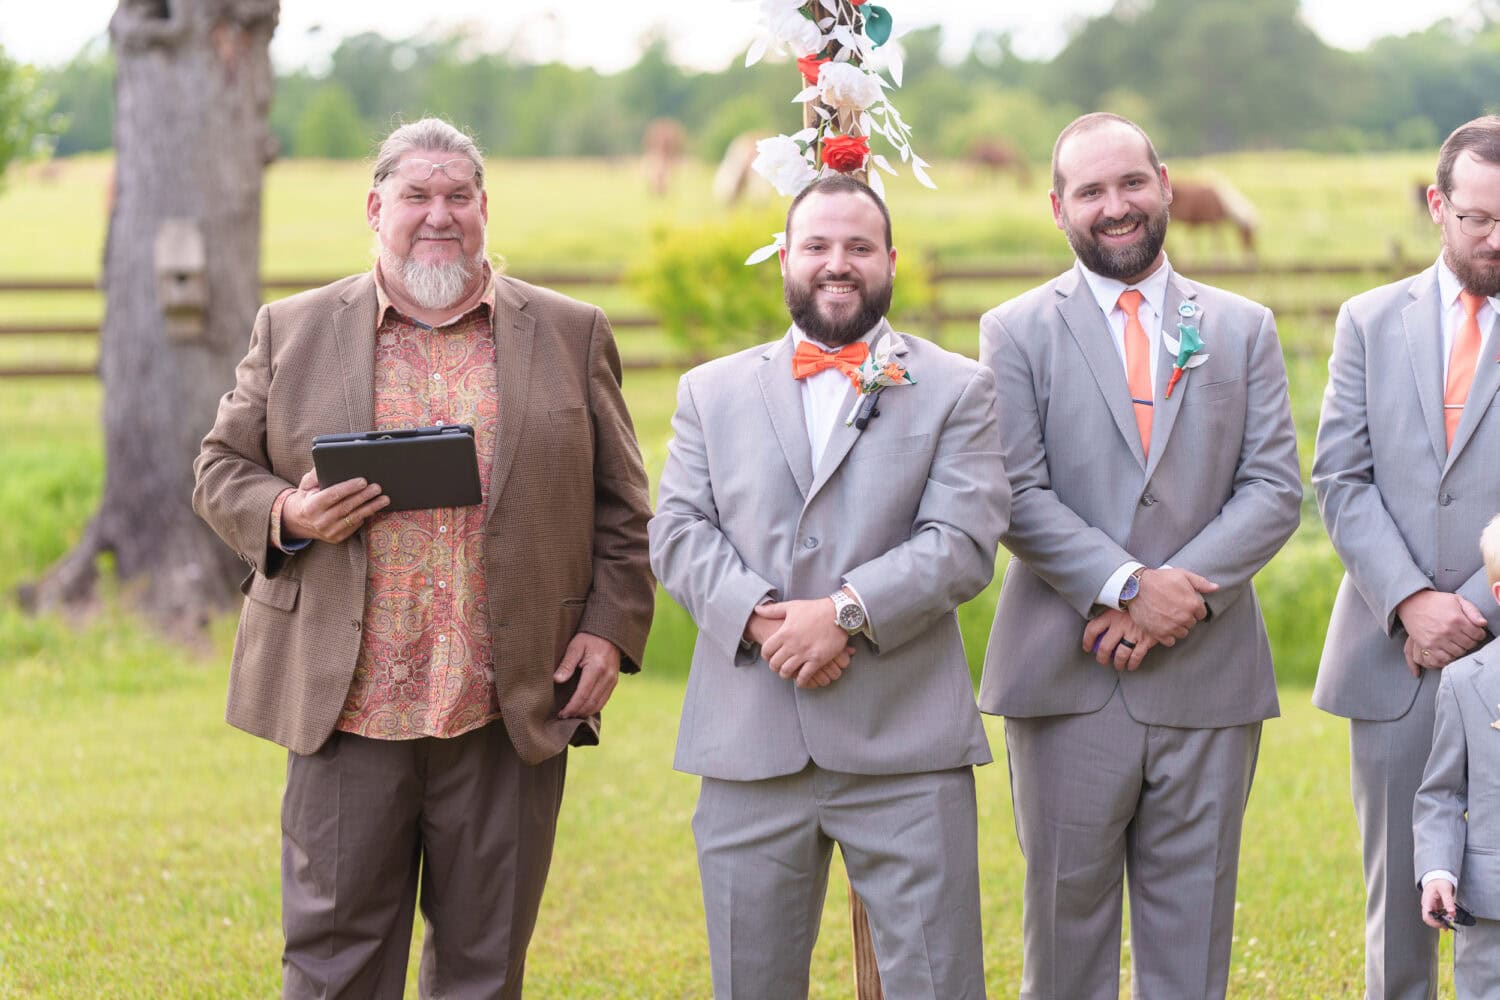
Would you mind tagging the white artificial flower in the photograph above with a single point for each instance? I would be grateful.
(785, 23)
(782, 162)
(847, 87)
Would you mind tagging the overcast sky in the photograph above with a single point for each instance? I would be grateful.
(605, 33)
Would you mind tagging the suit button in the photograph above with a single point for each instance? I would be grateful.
(356, 624)
(1147, 500)
(1445, 500)
(809, 543)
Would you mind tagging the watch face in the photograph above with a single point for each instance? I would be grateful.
(851, 617)
(1129, 589)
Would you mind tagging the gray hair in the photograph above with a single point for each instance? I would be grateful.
(429, 133)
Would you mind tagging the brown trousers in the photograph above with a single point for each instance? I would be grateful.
(370, 827)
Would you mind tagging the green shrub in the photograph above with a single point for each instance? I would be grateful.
(695, 280)
(710, 302)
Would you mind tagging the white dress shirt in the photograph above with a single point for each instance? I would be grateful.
(1453, 315)
(823, 401)
(1106, 292)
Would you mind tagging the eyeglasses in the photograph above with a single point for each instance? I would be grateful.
(459, 169)
(1478, 226)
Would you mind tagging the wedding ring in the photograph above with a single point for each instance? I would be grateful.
(1127, 643)
(345, 519)
(1426, 653)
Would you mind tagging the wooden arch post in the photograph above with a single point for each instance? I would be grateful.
(866, 971)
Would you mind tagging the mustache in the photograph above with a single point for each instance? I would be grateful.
(1103, 224)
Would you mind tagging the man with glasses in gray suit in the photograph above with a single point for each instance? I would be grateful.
(822, 550)
(1407, 476)
(1153, 466)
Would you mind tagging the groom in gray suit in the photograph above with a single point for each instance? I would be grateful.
(822, 550)
(1407, 477)
(1148, 439)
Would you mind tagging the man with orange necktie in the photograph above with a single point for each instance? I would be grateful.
(1407, 477)
(822, 550)
(1148, 438)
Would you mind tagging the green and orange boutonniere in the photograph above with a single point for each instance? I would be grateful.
(1186, 350)
(878, 371)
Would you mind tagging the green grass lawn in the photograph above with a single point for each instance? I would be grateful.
(140, 834)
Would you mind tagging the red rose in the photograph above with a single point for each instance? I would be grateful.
(845, 152)
(810, 65)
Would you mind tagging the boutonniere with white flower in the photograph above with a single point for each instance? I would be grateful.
(879, 371)
(1186, 349)
(846, 103)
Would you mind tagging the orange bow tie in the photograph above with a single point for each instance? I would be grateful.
(809, 358)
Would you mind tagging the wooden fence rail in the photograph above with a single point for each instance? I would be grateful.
(944, 276)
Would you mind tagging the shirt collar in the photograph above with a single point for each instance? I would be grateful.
(383, 298)
(1106, 291)
(1449, 286)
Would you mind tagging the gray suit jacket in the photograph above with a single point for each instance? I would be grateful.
(907, 511)
(1465, 741)
(1219, 495)
(1403, 511)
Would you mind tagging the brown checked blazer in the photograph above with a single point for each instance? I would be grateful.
(565, 538)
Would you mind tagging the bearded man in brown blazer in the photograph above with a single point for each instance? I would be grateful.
(427, 669)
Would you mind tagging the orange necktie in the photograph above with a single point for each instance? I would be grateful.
(1138, 365)
(809, 358)
(1461, 363)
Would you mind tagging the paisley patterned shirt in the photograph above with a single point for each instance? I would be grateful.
(426, 667)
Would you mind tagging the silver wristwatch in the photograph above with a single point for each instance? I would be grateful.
(847, 613)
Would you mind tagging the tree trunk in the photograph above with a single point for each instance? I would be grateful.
(192, 94)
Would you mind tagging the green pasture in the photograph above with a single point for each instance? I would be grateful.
(140, 834)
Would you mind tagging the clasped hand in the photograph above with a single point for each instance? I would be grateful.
(1168, 606)
(330, 515)
(1115, 640)
(1170, 603)
(1439, 628)
(801, 641)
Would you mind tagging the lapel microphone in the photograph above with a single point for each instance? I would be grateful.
(869, 408)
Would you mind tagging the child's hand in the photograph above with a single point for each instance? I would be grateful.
(1437, 897)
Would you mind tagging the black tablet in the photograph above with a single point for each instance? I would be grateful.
(417, 467)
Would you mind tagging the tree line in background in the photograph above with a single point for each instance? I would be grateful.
(1202, 77)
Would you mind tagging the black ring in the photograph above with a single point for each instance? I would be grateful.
(1127, 643)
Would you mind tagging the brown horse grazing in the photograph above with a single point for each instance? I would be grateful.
(996, 155)
(661, 148)
(1211, 203)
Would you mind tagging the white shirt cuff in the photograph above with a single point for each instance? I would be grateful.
(1109, 594)
(1441, 873)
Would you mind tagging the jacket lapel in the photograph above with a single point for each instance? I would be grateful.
(1164, 412)
(514, 336)
(1424, 345)
(783, 398)
(354, 336)
(1486, 681)
(1090, 331)
(843, 435)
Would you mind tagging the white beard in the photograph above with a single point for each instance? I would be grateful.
(433, 286)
